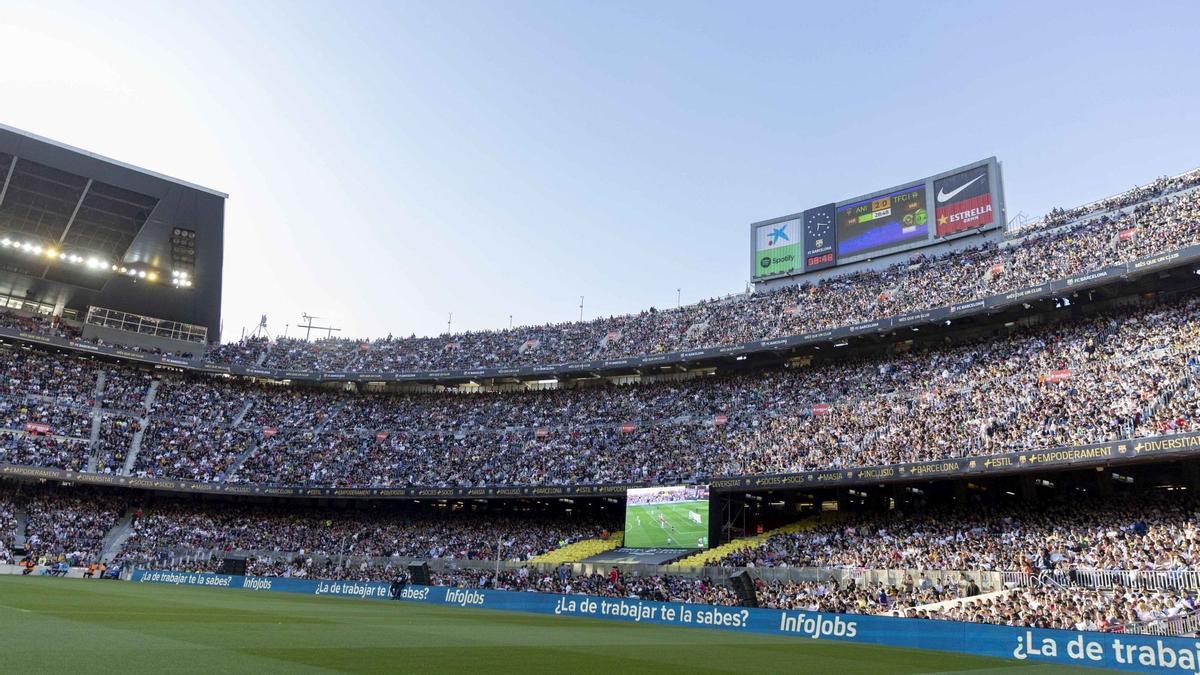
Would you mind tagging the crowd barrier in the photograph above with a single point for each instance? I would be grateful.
(1139, 653)
(73, 572)
(1170, 580)
(987, 580)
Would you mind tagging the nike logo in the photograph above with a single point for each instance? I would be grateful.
(947, 196)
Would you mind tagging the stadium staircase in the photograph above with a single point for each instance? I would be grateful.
(263, 356)
(1185, 384)
(581, 550)
(353, 363)
(19, 537)
(1107, 332)
(135, 446)
(112, 542)
(871, 437)
(606, 342)
(337, 409)
(715, 554)
(241, 459)
(94, 439)
(237, 421)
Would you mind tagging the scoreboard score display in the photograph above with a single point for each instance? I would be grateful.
(939, 208)
(882, 222)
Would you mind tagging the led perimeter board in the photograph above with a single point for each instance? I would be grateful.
(667, 517)
(923, 212)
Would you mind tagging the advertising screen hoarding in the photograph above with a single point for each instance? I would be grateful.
(778, 248)
(933, 210)
(963, 202)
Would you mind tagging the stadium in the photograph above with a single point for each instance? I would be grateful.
(931, 436)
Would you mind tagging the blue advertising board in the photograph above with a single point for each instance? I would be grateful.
(1139, 653)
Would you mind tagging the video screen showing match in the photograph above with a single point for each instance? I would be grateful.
(667, 517)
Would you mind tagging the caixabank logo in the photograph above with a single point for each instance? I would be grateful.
(777, 248)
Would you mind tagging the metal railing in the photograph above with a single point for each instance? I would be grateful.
(986, 580)
(1184, 624)
(1166, 580)
(146, 325)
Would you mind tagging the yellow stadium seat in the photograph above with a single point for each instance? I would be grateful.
(581, 549)
(715, 554)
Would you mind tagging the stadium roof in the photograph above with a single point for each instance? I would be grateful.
(109, 160)
(78, 229)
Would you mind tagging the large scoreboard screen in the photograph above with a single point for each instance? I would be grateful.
(882, 222)
(667, 517)
(945, 206)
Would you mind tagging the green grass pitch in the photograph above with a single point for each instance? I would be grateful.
(643, 530)
(83, 626)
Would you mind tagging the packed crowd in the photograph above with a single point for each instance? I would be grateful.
(68, 381)
(1148, 532)
(114, 442)
(852, 597)
(183, 530)
(1119, 375)
(1163, 185)
(125, 390)
(1093, 381)
(1155, 218)
(70, 526)
(16, 412)
(1070, 608)
(189, 452)
(187, 401)
(1161, 219)
(663, 588)
(32, 450)
(373, 544)
(828, 596)
(1142, 534)
(8, 529)
(1126, 373)
(36, 323)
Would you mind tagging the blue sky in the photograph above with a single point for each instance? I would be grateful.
(390, 163)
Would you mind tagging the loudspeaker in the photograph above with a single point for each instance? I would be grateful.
(418, 573)
(743, 587)
(233, 566)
